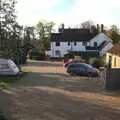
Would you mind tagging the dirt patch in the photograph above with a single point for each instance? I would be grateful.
(54, 95)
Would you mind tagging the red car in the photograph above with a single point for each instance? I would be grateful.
(73, 61)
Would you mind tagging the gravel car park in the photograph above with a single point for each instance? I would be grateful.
(47, 92)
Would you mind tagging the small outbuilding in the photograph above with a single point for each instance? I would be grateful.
(113, 56)
(8, 67)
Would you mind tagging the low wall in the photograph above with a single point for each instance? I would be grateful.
(103, 76)
(111, 79)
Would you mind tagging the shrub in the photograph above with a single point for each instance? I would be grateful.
(96, 62)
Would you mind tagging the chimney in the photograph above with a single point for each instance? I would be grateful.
(102, 28)
(61, 28)
(98, 28)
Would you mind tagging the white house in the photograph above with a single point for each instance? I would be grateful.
(79, 40)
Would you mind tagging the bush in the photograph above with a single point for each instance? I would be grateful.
(96, 62)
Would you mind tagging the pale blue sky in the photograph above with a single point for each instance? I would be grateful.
(70, 12)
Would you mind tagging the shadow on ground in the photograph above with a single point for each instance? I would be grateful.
(44, 64)
(62, 81)
(57, 96)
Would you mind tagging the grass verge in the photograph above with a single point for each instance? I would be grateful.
(8, 81)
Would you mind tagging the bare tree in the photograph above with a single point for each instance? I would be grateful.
(87, 24)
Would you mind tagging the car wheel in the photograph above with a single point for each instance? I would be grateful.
(72, 74)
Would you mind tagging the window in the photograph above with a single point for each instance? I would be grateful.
(110, 62)
(57, 43)
(74, 66)
(95, 44)
(82, 68)
(4, 66)
(75, 43)
(68, 43)
(114, 62)
(84, 43)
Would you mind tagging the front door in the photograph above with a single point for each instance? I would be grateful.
(58, 54)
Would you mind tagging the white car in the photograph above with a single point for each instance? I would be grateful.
(8, 67)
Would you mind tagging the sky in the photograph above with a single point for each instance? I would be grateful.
(69, 12)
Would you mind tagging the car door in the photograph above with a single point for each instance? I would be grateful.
(81, 70)
(76, 69)
(73, 68)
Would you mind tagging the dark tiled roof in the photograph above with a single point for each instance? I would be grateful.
(72, 36)
(78, 30)
(115, 50)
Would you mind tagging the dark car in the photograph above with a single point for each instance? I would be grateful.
(37, 56)
(82, 69)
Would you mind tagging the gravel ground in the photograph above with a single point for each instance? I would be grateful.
(48, 93)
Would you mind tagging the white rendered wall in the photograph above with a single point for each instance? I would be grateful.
(100, 38)
(106, 49)
(64, 48)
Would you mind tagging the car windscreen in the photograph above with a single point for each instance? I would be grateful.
(87, 66)
(74, 65)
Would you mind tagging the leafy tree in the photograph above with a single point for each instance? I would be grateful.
(9, 29)
(28, 34)
(44, 29)
(7, 21)
(113, 33)
(10, 32)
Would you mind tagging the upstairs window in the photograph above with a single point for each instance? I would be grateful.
(84, 43)
(68, 43)
(75, 43)
(57, 43)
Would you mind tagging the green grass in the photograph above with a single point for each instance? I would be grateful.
(3, 85)
(8, 81)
